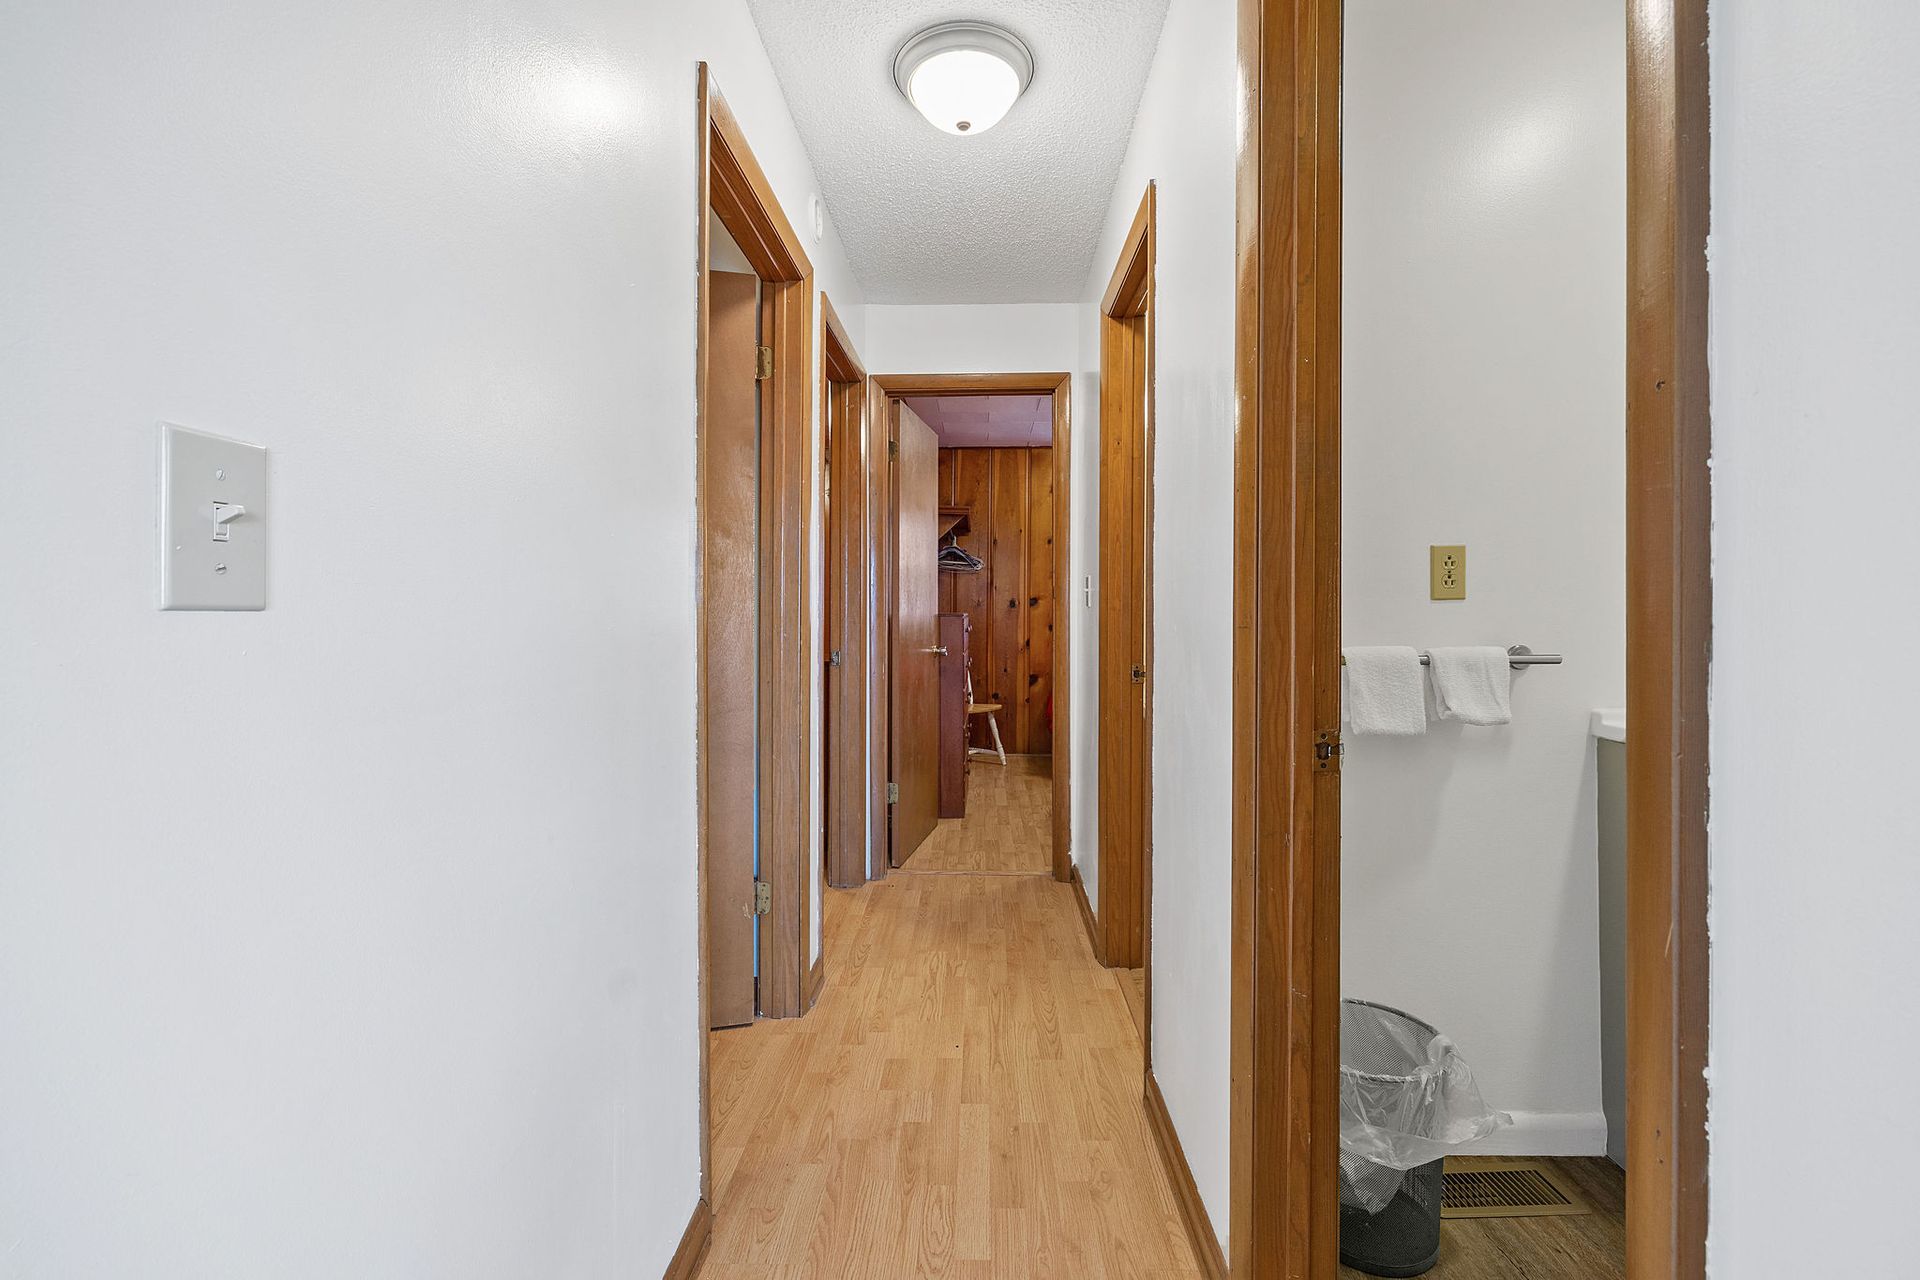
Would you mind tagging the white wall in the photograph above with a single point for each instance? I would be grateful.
(1484, 403)
(1814, 830)
(1184, 139)
(1032, 337)
(356, 937)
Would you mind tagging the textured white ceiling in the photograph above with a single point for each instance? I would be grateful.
(1009, 216)
(987, 422)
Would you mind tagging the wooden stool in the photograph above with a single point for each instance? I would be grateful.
(993, 726)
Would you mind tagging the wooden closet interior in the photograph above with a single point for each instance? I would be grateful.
(1007, 498)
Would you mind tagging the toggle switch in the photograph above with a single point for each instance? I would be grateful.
(214, 518)
(225, 513)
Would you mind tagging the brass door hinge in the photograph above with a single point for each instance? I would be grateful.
(893, 793)
(764, 366)
(1327, 751)
(762, 898)
(893, 448)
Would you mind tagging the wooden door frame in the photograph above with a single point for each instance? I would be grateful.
(732, 187)
(843, 495)
(1669, 637)
(1285, 996)
(888, 390)
(1286, 907)
(882, 527)
(1125, 909)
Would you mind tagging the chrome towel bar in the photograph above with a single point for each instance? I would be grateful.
(1517, 656)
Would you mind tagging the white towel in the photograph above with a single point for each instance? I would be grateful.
(1473, 685)
(1385, 694)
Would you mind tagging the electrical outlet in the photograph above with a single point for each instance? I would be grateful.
(1449, 572)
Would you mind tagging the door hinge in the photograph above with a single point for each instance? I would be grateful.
(893, 448)
(763, 369)
(1328, 750)
(762, 898)
(893, 793)
(833, 659)
(1139, 674)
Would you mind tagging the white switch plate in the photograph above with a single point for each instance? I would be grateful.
(204, 563)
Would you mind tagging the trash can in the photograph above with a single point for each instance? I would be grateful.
(1406, 1099)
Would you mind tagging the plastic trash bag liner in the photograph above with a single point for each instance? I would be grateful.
(1407, 1098)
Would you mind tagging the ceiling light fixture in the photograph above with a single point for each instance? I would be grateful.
(963, 76)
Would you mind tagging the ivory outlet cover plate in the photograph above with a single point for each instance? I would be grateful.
(1449, 572)
(208, 563)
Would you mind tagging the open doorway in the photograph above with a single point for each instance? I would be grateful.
(977, 669)
(753, 402)
(1123, 912)
(1294, 592)
(1483, 509)
(845, 774)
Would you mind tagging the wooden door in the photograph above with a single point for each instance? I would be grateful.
(1123, 638)
(954, 668)
(730, 593)
(844, 738)
(916, 660)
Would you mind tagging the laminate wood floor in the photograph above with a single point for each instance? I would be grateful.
(1008, 827)
(1583, 1247)
(1133, 985)
(964, 1101)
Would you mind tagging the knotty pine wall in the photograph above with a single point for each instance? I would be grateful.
(1011, 601)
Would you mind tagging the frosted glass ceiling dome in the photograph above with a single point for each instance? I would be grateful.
(963, 76)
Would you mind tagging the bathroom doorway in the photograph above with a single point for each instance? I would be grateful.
(1306, 293)
(1483, 481)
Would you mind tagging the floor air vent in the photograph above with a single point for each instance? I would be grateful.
(1508, 1189)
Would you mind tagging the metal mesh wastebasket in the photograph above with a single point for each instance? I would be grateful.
(1403, 1238)
(1406, 1097)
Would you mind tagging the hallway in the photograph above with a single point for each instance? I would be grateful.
(1007, 824)
(965, 1100)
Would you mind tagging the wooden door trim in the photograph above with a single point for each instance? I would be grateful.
(1131, 284)
(879, 610)
(902, 385)
(1669, 637)
(1126, 325)
(732, 187)
(738, 191)
(838, 358)
(889, 389)
(1285, 912)
(843, 489)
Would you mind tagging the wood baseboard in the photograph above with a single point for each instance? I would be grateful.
(1193, 1212)
(1086, 917)
(816, 979)
(693, 1245)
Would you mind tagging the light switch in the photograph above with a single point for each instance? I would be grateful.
(224, 514)
(213, 521)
